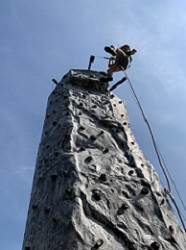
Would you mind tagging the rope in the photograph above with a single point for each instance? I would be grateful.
(150, 130)
(160, 158)
(173, 182)
(102, 57)
(178, 210)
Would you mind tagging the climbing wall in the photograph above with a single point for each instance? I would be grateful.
(93, 188)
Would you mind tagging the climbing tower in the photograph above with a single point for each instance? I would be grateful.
(93, 188)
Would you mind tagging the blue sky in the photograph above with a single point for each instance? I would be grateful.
(44, 39)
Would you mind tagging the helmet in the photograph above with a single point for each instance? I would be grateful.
(125, 47)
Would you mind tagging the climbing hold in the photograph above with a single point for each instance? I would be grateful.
(88, 159)
(132, 143)
(82, 149)
(131, 172)
(139, 173)
(130, 190)
(144, 191)
(81, 104)
(122, 115)
(120, 102)
(125, 123)
(119, 160)
(155, 245)
(47, 146)
(105, 151)
(171, 229)
(112, 96)
(68, 190)
(46, 211)
(55, 221)
(162, 202)
(92, 138)
(96, 195)
(56, 154)
(54, 123)
(53, 177)
(99, 243)
(118, 130)
(34, 207)
(27, 248)
(125, 194)
(122, 225)
(144, 182)
(103, 177)
(123, 207)
(81, 128)
(65, 173)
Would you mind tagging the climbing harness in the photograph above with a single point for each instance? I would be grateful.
(92, 59)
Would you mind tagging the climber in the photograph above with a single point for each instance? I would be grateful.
(122, 59)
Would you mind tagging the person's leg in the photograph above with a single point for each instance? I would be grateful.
(112, 69)
(110, 50)
(111, 62)
(113, 47)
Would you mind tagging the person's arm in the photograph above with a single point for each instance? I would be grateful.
(132, 52)
(128, 52)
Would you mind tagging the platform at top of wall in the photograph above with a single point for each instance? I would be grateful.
(88, 79)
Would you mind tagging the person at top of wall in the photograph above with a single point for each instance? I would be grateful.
(121, 60)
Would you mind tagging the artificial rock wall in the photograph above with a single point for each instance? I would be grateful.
(93, 188)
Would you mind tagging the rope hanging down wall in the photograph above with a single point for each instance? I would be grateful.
(159, 156)
(160, 159)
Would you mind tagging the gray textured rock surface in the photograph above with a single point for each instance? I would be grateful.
(93, 188)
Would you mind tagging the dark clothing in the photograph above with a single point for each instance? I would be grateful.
(123, 59)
